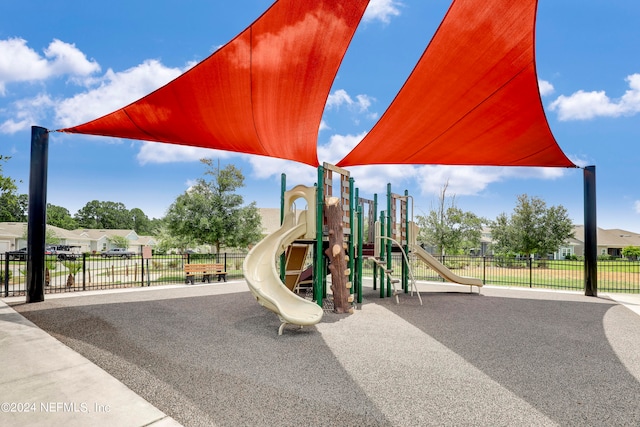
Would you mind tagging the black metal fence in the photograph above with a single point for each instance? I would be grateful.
(613, 275)
(90, 272)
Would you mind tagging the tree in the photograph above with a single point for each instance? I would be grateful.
(105, 215)
(13, 206)
(119, 242)
(450, 229)
(210, 212)
(60, 217)
(141, 222)
(532, 228)
(631, 252)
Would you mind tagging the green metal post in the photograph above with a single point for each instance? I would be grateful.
(405, 272)
(359, 259)
(355, 240)
(352, 235)
(383, 247)
(318, 267)
(390, 224)
(375, 215)
(283, 189)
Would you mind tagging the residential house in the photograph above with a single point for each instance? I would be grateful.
(610, 242)
(13, 236)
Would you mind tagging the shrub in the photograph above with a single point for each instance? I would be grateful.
(2, 276)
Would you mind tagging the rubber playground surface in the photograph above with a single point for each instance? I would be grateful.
(209, 355)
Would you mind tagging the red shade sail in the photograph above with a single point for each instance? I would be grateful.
(262, 93)
(472, 99)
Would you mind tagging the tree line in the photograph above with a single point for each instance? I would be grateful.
(532, 229)
(212, 213)
(208, 213)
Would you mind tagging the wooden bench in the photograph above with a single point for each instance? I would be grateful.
(207, 270)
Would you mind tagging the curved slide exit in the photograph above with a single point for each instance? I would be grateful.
(264, 281)
(442, 270)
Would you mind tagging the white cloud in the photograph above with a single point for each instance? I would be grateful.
(115, 90)
(65, 58)
(269, 167)
(156, 152)
(338, 147)
(473, 180)
(545, 87)
(583, 105)
(338, 98)
(636, 206)
(341, 98)
(20, 63)
(26, 113)
(382, 10)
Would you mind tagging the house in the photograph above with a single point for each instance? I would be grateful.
(13, 236)
(100, 240)
(610, 242)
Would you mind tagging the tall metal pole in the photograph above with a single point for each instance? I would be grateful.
(590, 233)
(283, 189)
(373, 223)
(318, 267)
(37, 221)
(352, 233)
(390, 224)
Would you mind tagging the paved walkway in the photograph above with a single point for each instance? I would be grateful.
(210, 355)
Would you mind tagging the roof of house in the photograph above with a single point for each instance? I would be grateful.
(18, 230)
(613, 238)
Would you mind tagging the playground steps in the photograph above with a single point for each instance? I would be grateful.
(382, 264)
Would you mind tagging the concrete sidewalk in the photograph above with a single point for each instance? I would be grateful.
(45, 383)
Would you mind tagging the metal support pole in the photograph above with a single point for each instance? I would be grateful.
(355, 238)
(318, 269)
(37, 222)
(382, 254)
(352, 234)
(360, 262)
(283, 189)
(391, 222)
(590, 233)
(405, 262)
(373, 223)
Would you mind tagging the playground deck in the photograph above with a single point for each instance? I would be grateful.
(209, 355)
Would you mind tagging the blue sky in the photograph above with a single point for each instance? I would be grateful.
(66, 62)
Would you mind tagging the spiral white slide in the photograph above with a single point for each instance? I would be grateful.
(264, 281)
(443, 271)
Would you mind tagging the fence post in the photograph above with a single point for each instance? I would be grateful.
(142, 273)
(530, 272)
(484, 269)
(6, 274)
(84, 271)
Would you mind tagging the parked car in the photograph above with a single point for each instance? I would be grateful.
(63, 252)
(19, 255)
(117, 252)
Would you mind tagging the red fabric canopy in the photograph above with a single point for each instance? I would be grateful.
(262, 93)
(472, 99)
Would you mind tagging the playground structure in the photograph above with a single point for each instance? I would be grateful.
(287, 271)
(484, 105)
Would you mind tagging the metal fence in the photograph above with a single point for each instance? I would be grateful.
(91, 272)
(613, 275)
